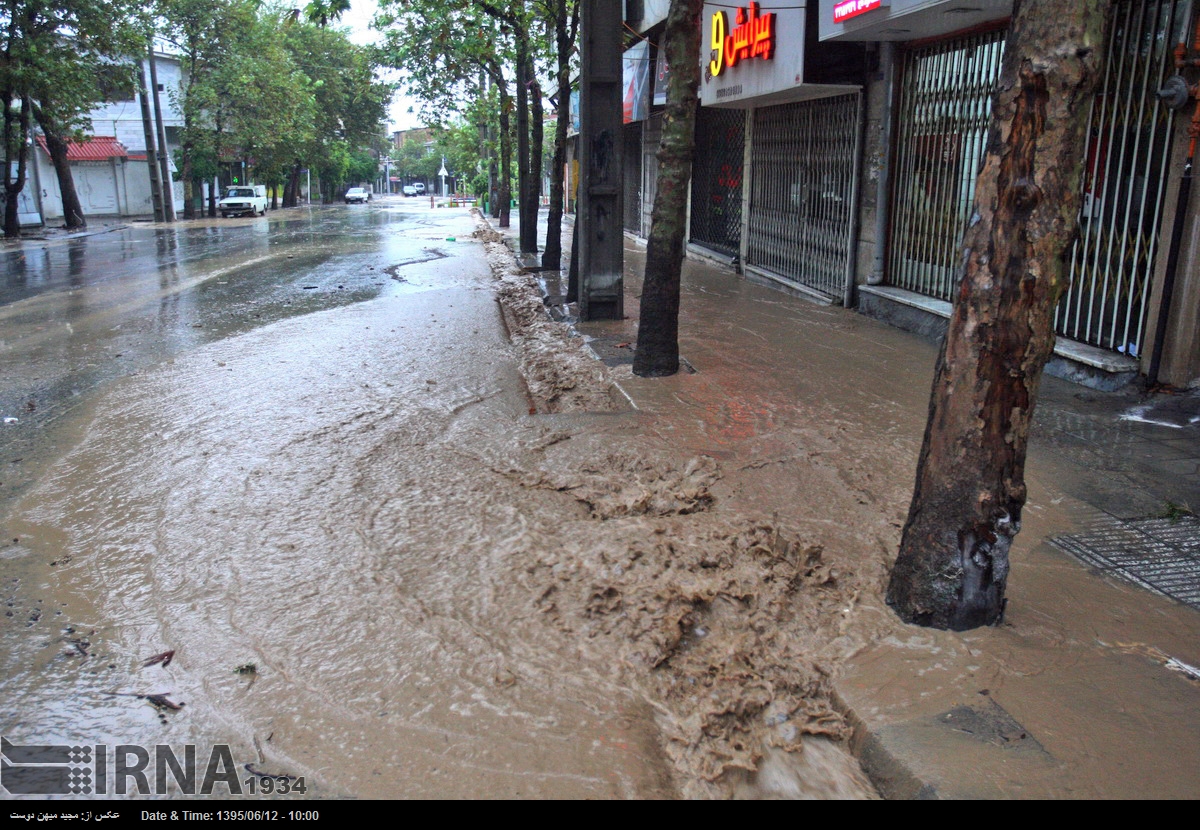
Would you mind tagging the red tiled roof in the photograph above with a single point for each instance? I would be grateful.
(95, 148)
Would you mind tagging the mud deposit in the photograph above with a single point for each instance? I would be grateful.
(422, 547)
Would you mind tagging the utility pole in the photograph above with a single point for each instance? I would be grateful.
(601, 234)
(151, 152)
(164, 168)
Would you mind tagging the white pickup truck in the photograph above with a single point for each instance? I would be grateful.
(241, 199)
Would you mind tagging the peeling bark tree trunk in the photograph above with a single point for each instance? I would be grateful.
(953, 564)
(505, 195)
(527, 235)
(564, 39)
(657, 352)
(16, 133)
(537, 131)
(73, 217)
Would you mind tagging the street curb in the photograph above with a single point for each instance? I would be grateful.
(892, 777)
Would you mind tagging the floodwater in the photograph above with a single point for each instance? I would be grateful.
(406, 544)
(406, 538)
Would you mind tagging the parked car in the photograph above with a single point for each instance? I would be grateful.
(358, 194)
(243, 199)
(409, 190)
(419, 187)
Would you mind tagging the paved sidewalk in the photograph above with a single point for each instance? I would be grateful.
(1084, 691)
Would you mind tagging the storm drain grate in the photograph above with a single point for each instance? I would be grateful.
(1162, 555)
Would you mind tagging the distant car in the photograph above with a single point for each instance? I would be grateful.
(358, 194)
(409, 190)
(238, 201)
(419, 187)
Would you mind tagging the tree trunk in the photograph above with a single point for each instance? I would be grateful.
(189, 180)
(657, 352)
(57, 146)
(537, 129)
(148, 133)
(505, 195)
(16, 134)
(953, 564)
(524, 75)
(552, 254)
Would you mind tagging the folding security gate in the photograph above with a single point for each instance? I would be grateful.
(942, 122)
(804, 167)
(716, 218)
(631, 179)
(1128, 156)
(945, 106)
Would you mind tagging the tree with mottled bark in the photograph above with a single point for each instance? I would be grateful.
(60, 58)
(657, 352)
(953, 563)
(564, 17)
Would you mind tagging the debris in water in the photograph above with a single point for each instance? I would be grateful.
(308, 287)
(164, 658)
(11, 420)
(451, 239)
(158, 701)
(80, 644)
(162, 702)
(246, 669)
(1180, 666)
(277, 776)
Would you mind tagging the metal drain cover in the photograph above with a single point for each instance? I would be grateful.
(1162, 555)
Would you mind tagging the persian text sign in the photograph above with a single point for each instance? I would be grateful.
(752, 37)
(853, 8)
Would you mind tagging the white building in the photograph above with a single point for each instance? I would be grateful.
(111, 168)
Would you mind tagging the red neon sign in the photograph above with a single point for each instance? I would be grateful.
(753, 37)
(847, 9)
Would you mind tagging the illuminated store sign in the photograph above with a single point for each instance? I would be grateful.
(847, 9)
(752, 37)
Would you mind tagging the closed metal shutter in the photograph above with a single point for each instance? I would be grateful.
(631, 160)
(716, 220)
(1129, 148)
(942, 122)
(803, 181)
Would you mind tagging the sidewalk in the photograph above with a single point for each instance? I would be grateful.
(817, 414)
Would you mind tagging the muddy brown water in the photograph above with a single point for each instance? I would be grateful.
(461, 564)
(458, 563)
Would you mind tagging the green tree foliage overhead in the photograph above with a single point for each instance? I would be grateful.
(350, 102)
(56, 60)
(276, 90)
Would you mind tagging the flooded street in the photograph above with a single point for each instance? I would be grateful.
(404, 536)
(398, 543)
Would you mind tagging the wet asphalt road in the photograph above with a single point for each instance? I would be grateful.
(79, 314)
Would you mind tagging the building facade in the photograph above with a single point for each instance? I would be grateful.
(837, 148)
(110, 167)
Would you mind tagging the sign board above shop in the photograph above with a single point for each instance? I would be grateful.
(751, 51)
(753, 55)
(901, 20)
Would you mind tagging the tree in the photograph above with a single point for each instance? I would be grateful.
(953, 563)
(267, 104)
(657, 352)
(443, 47)
(207, 33)
(349, 104)
(563, 15)
(59, 58)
